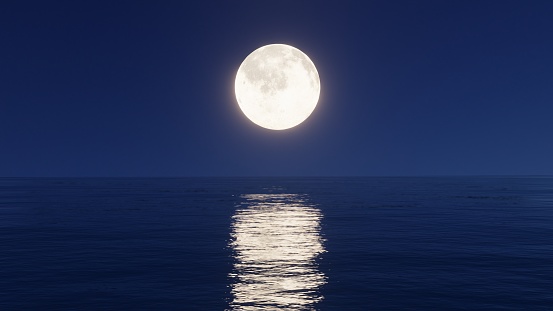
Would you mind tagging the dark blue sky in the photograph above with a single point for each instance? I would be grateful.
(145, 88)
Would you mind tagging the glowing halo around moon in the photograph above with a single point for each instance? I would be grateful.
(277, 86)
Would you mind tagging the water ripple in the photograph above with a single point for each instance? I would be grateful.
(276, 242)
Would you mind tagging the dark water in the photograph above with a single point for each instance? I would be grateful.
(455, 243)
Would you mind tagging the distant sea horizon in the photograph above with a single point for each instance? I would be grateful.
(436, 242)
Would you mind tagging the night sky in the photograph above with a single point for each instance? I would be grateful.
(146, 88)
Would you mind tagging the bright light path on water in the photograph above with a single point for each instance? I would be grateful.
(276, 241)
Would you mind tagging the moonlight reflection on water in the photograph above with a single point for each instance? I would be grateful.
(276, 242)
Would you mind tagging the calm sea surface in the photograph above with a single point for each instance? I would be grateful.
(437, 243)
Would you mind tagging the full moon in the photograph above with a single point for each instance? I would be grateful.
(277, 86)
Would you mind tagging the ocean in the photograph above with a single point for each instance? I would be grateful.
(336, 243)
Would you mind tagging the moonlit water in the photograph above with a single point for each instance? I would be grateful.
(401, 243)
(276, 240)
